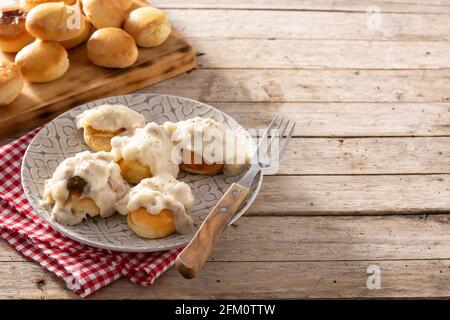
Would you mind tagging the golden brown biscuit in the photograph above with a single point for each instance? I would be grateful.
(149, 26)
(81, 205)
(99, 140)
(112, 48)
(30, 4)
(201, 168)
(126, 4)
(134, 171)
(151, 226)
(11, 82)
(106, 13)
(43, 61)
(86, 32)
(13, 35)
(54, 22)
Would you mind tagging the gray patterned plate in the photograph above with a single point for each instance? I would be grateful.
(60, 139)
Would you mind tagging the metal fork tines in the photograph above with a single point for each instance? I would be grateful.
(270, 150)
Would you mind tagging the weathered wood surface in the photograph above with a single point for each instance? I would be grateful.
(321, 54)
(343, 119)
(402, 6)
(249, 280)
(307, 25)
(365, 182)
(346, 156)
(327, 257)
(352, 195)
(256, 85)
(329, 238)
(348, 119)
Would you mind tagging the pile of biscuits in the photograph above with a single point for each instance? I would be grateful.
(41, 31)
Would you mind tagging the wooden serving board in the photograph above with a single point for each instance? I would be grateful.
(85, 82)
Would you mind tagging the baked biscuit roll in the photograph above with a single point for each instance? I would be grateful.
(55, 21)
(157, 207)
(87, 184)
(104, 122)
(43, 61)
(112, 48)
(30, 4)
(106, 13)
(145, 153)
(149, 26)
(86, 31)
(11, 82)
(13, 35)
(207, 147)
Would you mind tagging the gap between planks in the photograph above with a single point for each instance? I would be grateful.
(310, 5)
(227, 85)
(196, 24)
(343, 120)
(333, 157)
(224, 280)
(353, 195)
(376, 195)
(315, 239)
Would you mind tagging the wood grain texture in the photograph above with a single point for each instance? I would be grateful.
(353, 195)
(333, 238)
(344, 156)
(254, 85)
(250, 280)
(320, 54)
(84, 82)
(7, 254)
(191, 260)
(309, 25)
(407, 6)
(341, 119)
(260, 239)
(348, 119)
(247, 280)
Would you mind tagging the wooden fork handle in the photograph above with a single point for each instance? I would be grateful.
(193, 257)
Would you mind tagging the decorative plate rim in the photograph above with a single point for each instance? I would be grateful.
(76, 236)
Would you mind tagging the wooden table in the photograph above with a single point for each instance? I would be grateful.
(366, 181)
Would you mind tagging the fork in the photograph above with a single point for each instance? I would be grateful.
(191, 260)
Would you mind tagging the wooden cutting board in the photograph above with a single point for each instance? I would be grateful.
(85, 82)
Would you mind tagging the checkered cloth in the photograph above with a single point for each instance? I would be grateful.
(84, 269)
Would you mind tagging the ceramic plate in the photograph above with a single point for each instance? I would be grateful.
(60, 139)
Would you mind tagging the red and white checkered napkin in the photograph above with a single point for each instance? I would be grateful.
(85, 269)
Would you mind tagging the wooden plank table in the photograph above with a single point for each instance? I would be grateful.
(365, 182)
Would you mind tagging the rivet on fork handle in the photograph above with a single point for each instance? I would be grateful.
(193, 257)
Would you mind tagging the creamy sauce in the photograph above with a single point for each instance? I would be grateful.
(150, 146)
(104, 185)
(212, 140)
(111, 118)
(161, 192)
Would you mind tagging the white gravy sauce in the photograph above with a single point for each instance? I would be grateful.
(104, 185)
(212, 140)
(110, 118)
(150, 146)
(161, 192)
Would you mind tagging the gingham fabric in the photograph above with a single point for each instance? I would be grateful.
(84, 269)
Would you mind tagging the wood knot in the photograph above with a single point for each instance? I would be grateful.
(40, 283)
